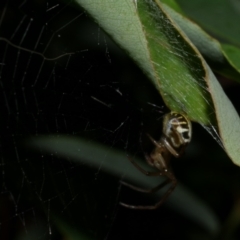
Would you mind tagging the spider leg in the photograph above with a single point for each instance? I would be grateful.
(151, 190)
(153, 141)
(166, 195)
(156, 173)
(158, 204)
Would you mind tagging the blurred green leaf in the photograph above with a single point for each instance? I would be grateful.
(115, 163)
(69, 232)
(219, 17)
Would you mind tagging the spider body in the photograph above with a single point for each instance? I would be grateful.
(177, 133)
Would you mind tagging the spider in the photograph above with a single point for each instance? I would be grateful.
(177, 133)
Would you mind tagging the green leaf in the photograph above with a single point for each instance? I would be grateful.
(223, 58)
(232, 53)
(172, 63)
(174, 5)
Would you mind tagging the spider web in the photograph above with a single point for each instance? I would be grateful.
(62, 78)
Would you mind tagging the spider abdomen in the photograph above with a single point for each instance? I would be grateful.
(177, 132)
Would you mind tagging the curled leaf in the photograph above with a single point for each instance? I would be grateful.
(146, 31)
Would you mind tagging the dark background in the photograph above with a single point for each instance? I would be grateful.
(43, 94)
